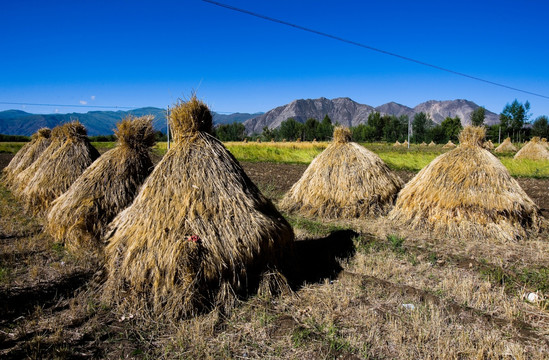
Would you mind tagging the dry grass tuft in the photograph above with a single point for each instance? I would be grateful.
(345, 181)
(342, 135)
(27, 155)
(405, 143)
(432, 143)
(79, 217)
(488, 145)
(423, 144)
(397, 144)
(506, 146)
(533, 150)
(56, 172)
(467, 193)
(199, 233)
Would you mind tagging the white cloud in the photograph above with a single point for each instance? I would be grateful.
(92, 97)
(82, 102)
(56, 111)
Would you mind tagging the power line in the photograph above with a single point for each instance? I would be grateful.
(355, 43)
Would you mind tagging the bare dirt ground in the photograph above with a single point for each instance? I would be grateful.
(362, 293)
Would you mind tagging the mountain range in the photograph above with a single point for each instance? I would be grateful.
(350, 113)
(340, 110)
(17, 122)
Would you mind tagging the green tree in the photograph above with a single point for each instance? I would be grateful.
(310, 131)
(268, 134)
(451, 128)
(363, 133)
(540, 127)
(325, 129)
(230, 132)
(513, 117)
(291, 129)
(477, 116)
(437, 134)
(376, 121)
(396, 128)
(420, 126)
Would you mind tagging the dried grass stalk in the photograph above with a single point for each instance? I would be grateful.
(27, 155)
(533, 150)
(345, 181)
(198, 234)
(488, 145)
(506, 146)
(79, 217)
(56, 173)
(467, 193)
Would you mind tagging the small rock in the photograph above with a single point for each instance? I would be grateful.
(409, 306)
(532, 297)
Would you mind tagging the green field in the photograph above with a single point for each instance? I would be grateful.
(413, 159)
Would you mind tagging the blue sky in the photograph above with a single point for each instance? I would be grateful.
(143, 53)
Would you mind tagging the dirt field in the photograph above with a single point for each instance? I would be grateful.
(366, 290)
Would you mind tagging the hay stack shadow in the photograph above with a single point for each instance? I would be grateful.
(317, 259)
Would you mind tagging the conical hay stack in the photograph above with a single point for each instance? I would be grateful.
(468, 194)
(198, 233)
(506, 146)
(56, 174)
(432, 143)
(79, 217)
(533, 150)
(27, 154)
(423, 144)
(21, 180)
(405, 143)
(488, 145)
(345, 181)
(545, 143)
(449, 145)
(396, 144)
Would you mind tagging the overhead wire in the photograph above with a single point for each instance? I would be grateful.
(355, 43)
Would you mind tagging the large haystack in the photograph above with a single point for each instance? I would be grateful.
(533, 150)
(198, 233)
(467, 193)
(506, 146)
(21, 180)
(57, 173)
(27, 154)
(545, 143)
(345, 181)
(79, 217)
(449, 145)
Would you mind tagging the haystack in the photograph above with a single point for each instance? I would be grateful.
(449, 145)
(488, 145)
(79, 217)
(533, 150)
(345, 181)
(21, 180)
(397, 144)
(432, 143)
(55, 174)
(506, 146)
(545, 143)
(405, 143)
(27, 154)
(198, 233)
(423, 144)
(467, 193)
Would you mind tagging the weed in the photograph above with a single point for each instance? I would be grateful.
(301, 335)
(315, 228)
(536, 278)
(396, 243)
(432, 258)
(5, 275)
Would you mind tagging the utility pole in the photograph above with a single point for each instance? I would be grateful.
(168, 123)
(499, 136)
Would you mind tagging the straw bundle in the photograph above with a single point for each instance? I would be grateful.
(397, 144)
(345, 181)
(27, 154)
(449, 145)
(488, 145)
(545, 143)
(405, 143)
(506, 146)
(467, 193)
(21, 180)
(56, 173)
(79, 217)
(533, 150)
(423, 144)
(198, 233)
(432, 143)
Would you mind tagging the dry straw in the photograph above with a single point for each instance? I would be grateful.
(423, 144)
(432, 143)
(56, 172)
(198, 234)
(405, 143)
(468, 194)
(449, 145)
(488, 145)
(533, 150)
(79, 217)
(345, 181)
(397, 144)
(27, 155)
(506, 146)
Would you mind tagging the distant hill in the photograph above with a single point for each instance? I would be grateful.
(350, 113)
(17, 122)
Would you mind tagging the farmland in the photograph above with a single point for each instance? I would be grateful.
(369, 289)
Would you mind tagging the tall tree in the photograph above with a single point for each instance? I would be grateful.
(420, 126)
(477, 116)
(540, 127)
(451, 128)
(514, 116)
(325, 129)
(376, 121)
(291, 129)
(310, 131)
